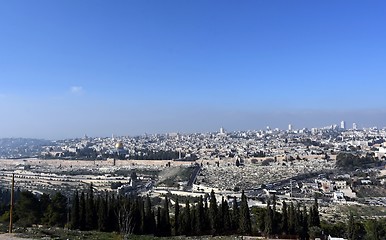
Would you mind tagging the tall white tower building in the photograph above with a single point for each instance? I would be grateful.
(290, 127)
(354, 126)
(343, 125)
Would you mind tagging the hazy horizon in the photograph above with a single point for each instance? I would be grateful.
(71, 68)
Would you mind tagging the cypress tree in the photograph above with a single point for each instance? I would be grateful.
(159, 223)
(143, 216)
(91, 219)
(75, 218)
(207, 225)
(299, 219)
(245, 218)
(166, 216)
(220, 217)
(102, 215)
(304, 232)
(226, 216)
(213, 213)
(177, 226)
(268, 220)
(82, 212)
(149, 217)
(284, 221)
(235, 215)
(200, 217)
(112, 210)
(292, 219)
(135, 215)
(193, 223)
(186, 223)
(275, 220)
(315, 213)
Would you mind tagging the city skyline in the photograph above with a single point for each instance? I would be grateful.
(128, 68)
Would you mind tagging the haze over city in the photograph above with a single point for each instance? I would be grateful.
(131, 67)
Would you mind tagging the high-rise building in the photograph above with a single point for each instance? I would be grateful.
(290, 127)
(343, 125)
(354, 126)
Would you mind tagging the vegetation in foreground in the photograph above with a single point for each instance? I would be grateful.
(105, 216)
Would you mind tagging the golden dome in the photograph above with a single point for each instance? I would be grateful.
(119, 145)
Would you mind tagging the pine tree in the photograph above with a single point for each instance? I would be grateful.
(245, 218)
(75, 218)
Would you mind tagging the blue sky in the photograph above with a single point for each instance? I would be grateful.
(130, 67)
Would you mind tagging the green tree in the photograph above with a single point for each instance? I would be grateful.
(186, 220)
(82, 212)
(292, 219)
(245, 217)
(91, 218)
(56, 214)
(226, 216)
(75, 219)
(27, 209)
(268, 220)
(284, 220)
(177, 225)
(213, 213)
(149, 217)
(200, 217)
(375, 229)
(235, 215)
(314, 214)
(355, 230)
(102, 215)
(304, 224)
(166, 218)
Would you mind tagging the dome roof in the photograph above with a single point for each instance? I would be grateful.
(119, 145)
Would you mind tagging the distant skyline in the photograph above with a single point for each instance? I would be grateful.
(69, 68)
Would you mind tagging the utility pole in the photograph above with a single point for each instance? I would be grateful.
(12, 200)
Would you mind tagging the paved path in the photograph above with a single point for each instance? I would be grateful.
(12, 236)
